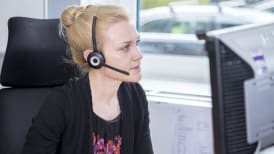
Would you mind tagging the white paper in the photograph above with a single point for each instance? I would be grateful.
(192, 130)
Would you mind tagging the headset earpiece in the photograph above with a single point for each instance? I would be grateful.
(96, 59)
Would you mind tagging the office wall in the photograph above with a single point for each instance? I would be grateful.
(10, 8)
(28, 8)
(55, 7)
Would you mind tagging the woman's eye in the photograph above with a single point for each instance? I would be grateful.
(125, 48)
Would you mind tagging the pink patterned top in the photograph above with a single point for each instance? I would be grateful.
(106, 135)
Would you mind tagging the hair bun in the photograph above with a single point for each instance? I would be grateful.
(70, 14)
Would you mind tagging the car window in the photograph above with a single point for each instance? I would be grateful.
(166, 44)
(225, 21)
(188, 27)
(191, 24)
(159, 26)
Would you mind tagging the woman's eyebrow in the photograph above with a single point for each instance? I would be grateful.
(130, 41)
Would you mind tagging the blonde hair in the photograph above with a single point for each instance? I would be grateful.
(77, 22)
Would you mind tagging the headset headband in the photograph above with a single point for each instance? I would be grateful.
(94, 33)
(94, 29)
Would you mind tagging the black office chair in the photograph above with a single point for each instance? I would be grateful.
(33, 64)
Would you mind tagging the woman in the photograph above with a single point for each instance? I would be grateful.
(105, 111)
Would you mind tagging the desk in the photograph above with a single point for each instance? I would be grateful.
(269, 150)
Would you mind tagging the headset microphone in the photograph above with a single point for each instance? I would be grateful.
(96, 58)
(116, 69)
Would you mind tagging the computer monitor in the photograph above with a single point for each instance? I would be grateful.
(242, 82)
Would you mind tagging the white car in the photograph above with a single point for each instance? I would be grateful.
(262, 5)
(188, 19)
(160, 26)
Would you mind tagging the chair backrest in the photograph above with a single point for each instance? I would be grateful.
(33, 64)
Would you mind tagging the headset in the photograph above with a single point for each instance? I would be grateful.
(96, 58)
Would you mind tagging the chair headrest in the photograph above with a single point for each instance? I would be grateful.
(35, 54)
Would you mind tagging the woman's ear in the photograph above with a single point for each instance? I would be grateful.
(86, 53)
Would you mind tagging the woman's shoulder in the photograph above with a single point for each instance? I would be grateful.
(67, 99)
(136, 92)
(67, 91)
(133, 87)
(73, 85)
(63, 90)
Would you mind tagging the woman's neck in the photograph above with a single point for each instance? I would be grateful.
(103, 89)
(104, 93)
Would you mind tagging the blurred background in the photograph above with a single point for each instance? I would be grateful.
(175, 66)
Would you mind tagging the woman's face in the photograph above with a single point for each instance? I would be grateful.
(121, 50)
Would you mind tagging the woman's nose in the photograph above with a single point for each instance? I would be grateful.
(138, 54)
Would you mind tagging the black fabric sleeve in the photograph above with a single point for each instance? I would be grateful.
(47, 127)
(143, 144)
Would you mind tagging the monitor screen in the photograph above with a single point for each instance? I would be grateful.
(239, 55)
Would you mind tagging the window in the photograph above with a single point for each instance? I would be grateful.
(157, 26)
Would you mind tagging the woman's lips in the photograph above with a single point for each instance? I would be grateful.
(136, 67)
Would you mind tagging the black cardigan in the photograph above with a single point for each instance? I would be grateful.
(62, 125)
